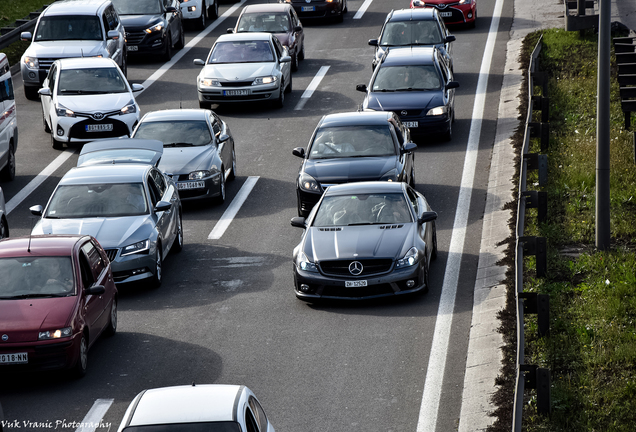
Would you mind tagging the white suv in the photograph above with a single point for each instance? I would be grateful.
(8, 123)
(67, 28)
(86, 99)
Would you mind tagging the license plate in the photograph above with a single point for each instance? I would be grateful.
(445, 14)
(106, 127)
(17, 358)
(191, 185)
(308, 8)
(355, 284)
(132, 47)
(236, 92)
(410, 124)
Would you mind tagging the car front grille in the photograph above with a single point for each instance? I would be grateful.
(369, 267)
(408, 113)
(111, 254)
(45, 63)
(135, 38)
(78, 130)
(236, 83)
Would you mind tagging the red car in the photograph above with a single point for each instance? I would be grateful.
(453, 11)
(56, 297)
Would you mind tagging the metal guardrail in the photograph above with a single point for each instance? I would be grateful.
(10, 36)
(530, 376)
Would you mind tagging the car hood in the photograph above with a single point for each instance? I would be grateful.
(22, 319)
(111, 233)
(140, 22)
(69, 48)
(404, 100)
(359, 242)
(93, 103)
(343, 170)
(242, 71)
(184, 160)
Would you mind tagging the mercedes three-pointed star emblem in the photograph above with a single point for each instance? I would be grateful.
(355, 268)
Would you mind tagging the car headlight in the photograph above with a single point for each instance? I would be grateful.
(309, 184)
(465, 1)
(139, 247)
(209, 82)
(412, 257)
(31, 62)
(265, 80)
(437, 111)
(130, 108)
(303, 262)
(62, 111)
(198, 175)
(418, 3)
(154, 28)
(55, 334)
(390, 176)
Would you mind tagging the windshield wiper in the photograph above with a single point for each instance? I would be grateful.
(33, 295)
(364, 223)
(84, 92)
(179, 144)
(384, 90)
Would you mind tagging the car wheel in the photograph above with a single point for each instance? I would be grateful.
(167, 53)
(31, 93)
(288, 89)
(124, 63)
(425, 276)
(111, 329)
(294, 63)
(47, 128)
(449, 134)
(82, 358)
(281, 96)
(158, 276)
(181, 42)
(213, 11)
(202, 20)
(434, 251)
(301, 54)
(4, 228)
(345, 9)
(177, 246)
(57, 145)
(232, 175)
(412, 179)
(221, 198)
(8, 172)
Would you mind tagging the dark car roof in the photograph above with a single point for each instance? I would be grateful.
(40, 245)
(356, 118)
(418, 14)
(267, 7)
(419, 55)
(365, 187)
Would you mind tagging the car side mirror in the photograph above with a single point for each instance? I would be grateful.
(162, 206)
(223, 138)
(36, 210)
(230, 30)
(44, 91)
(361, 88)
(409, 147)
(298, 29)
(299, 151)
(298, 222)
(427, 217)
(26, 36)
(373, 42)
(112, 34)
(285, 59)
(95, 290)
(136, 87)
(450, 38)
(198, 62)
(171, 9)
(452, 85)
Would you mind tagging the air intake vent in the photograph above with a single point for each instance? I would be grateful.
(329, 229)
(391, 226)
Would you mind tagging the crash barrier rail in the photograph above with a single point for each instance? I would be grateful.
(580, 20)
(531, 376)
(625, 49)
(9, 35)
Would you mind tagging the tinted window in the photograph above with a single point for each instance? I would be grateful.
(159, 181)
(399, 33)
(95, 260)
(6, 89)
(242, 52)
(362, 209)
(350, 141)
(137, 7)
(36, 276)
(413, 198)
(264, 22)
(97, 200)
(91, 81)
(81, 27)
(176, 133)
(412, 77)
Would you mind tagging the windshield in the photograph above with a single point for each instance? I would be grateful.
(176, 133)
(241, 52)
(362, 209)
(403, 33)
(74, 27)
(27, 277)
(403, 78)
(264, 22)
(91, 81)
(97, 200)
(117, 155)
(352, 141)
(137, 7)
(226, 426)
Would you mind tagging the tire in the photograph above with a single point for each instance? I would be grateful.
(213, 11)
(4, 228)
(288, 89)
(301, 54)
(425, 277)
(434, 251)
(412, 181)
(167, 54)
(181, 42)
(31, 93)
(111, 328)
(222, 192)
(57, 145)
(177, 246)
(82, 358)
(201, 23)
(47, 128)
(280, 102)
(340, 17)
(157, 278)
(8, 172)
(232, 175)
(294, 63)
(448, 135)
(124, 63)
(345, 9)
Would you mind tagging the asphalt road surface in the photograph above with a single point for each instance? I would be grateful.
(226, 312)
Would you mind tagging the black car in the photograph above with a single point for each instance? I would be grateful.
(417, 84)
(152, 26)
(365, 240)
(353, 147)
(310, 9)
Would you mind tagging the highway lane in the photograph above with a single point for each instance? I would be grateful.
(226, 312)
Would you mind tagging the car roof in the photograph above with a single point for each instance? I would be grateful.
(39, 245)
(75, 7)
(418, 14)
(86, 62)
(176, 114)
(186, 404)
(98, 174)
(410, 56)
(249, 36)
(267, 7)
(356, 118)
(365, 187)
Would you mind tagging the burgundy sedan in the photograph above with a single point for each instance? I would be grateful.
(453, 11)
(57, 297)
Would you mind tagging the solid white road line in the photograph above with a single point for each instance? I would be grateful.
(195, 40)
(38, 180)
(362, 9)
(441, 335)
(233, 209)
(94, 416)
(313, 85)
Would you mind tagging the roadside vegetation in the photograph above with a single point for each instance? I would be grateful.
(591, 350)
(11, 10)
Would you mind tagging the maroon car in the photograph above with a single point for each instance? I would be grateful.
(56, 297)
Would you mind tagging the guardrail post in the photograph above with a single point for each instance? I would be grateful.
(540, 130)
(538, 304)
(538, 200)
(538, 379)
(536, 246)
(538, 162)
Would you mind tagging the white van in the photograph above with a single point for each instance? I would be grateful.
(8, 122)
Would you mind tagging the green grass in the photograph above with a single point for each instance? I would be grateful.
(11, 10)
(591, 351)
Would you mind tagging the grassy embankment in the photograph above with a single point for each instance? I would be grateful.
(11, 10)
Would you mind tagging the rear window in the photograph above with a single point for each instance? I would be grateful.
(400, 33)
(352, 141)
(74, 27)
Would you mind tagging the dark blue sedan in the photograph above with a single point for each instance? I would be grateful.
(417, 85)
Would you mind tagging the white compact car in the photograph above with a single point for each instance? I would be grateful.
(86, 99)
(197, 10)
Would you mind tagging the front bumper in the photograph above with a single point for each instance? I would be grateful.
(306, 201)
(140, 42)
(428, 125)
(132, 268)
(43, 355)
(257, 93)
(74, 129)
(211, 187)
